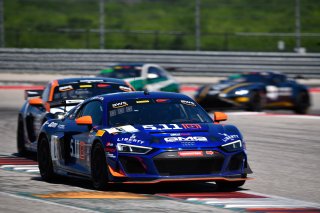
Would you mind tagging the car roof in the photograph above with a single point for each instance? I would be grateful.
(88, 79)
(129, 64)
(140, 95)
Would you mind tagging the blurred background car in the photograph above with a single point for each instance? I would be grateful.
(149, 77)
(58, 97)
(256, 91)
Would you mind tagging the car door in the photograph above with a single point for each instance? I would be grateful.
(280, 91)
(78, 138)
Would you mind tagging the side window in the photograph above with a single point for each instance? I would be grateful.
(45, 93)
(94, 109)
(156, 73)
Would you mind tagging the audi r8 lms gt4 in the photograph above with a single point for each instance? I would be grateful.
(256, 91)
(58, 97)
(150, 77)
(142, 137)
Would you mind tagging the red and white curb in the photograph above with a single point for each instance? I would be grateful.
(19, 164)
(247, 202)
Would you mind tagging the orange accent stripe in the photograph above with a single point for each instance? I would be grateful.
(92, 195)
(114, 173)
(185, 179)
(54, 84)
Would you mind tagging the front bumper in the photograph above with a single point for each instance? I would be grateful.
(169, 166)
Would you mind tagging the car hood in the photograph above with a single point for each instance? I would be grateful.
(175, 135)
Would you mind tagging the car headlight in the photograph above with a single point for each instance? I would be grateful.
(128, 148)
(232, 146)
(241, 92)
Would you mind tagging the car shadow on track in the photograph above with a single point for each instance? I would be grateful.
(162, 188)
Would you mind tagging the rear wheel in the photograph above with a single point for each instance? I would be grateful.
(21, 138)
(302, 103)
(44, 160)
(256, 101)
(99, 168)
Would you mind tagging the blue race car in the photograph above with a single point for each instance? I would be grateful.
(142, 137)
(255, 91)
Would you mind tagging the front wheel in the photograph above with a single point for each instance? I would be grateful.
(99, 170)
(44, 160)
(231, 185)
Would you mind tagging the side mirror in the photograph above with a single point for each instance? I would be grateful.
(219, 116)
(35, 101)
(84, 120)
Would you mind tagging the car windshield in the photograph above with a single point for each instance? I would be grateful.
(86, 90)
(155, 111)
(122, 72)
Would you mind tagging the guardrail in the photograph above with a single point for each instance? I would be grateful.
(183, 63)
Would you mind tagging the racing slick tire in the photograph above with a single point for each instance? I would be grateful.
(230, 185)
(302, 103)
(99, 168)
(256, 102)
(20, 138)
(44, 160)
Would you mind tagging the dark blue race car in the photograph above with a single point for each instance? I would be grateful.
(58, 97)
(142, 137)
(256, 91)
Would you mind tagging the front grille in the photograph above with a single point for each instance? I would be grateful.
(236, 162)
(189, 166)
(132, 165)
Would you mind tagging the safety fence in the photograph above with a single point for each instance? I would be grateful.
(179, 63)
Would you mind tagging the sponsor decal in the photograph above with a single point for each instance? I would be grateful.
(110, 155)
(90, 80)
(60, 126)
(97, 98)
(162, 127)
(162, 100)
(191, 126)
(103, 85)
(86, 86)
(100, 133)
(120, 104)
(211, 152)
(190, 153)
(122, 129)
(77, 149)
(82, 150)
(126, 89)
(54, 147)
(189, 103)
(142, 101)
(110, 149)
(180, 134)
(53, 125)
(109, 144)
(65, 88)
(192, 143)
(228, 137)
(186, 139)
(131, 139)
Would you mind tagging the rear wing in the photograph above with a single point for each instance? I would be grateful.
(32, 93)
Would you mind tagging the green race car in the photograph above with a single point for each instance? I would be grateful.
(149, 77)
